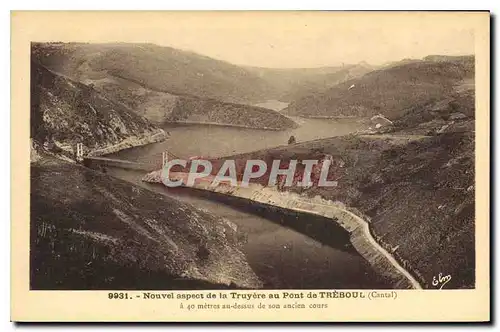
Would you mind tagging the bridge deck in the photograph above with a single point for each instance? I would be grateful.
(112, 160)
(97, 162)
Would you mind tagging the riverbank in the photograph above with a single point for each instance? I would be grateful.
(152, 136)
(382, 262)
(208, 123)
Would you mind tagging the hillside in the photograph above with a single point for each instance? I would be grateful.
(413, 182)
(65, 112)
(417, 193)
(454, 113)
(158, 68)
(162, 108)
(389, 90)
(92, 231)
(178, 72)
(163, 84)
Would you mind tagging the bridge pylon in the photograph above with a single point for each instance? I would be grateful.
(79, 151)
(164, 158)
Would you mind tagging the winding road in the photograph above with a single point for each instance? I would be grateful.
(366, 231)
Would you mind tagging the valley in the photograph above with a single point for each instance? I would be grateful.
(410, 176)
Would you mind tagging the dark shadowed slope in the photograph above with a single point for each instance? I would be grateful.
(389, 90)
(65, 112)
(92, 231)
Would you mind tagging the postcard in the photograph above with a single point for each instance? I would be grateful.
(285, 166)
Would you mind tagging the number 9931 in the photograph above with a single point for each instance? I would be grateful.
(117, 296)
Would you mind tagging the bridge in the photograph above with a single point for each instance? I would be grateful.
(148, 164)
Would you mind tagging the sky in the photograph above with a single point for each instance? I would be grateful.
(282, 39)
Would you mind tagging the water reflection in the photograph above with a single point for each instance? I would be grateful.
(217, 141)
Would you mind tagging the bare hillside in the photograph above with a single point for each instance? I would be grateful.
(389, 90)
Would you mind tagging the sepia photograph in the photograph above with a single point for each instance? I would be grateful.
(243, 151)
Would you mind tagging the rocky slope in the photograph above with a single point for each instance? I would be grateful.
(417, 193)
(389, 90)
(454, 113)
(65, 112)
(91, 231)
(412, 180)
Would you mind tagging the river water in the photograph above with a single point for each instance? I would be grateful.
(218, 141)
(279, 254)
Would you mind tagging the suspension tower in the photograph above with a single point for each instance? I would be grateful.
(79, 152)
(164, 158)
